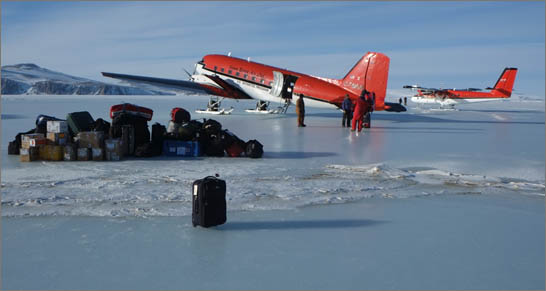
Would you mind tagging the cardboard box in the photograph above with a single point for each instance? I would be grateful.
(32, 140)
(28, 137)
(69, 152)
(98, 154)
(90, 139)
(29, 155)
(57, 138)
(113, 149)
(57, 126)
(112, 156)
(83, 154)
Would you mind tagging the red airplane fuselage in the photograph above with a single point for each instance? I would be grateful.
(257, 81)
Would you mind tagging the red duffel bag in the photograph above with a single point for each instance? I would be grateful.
(131, 109)
(180, 115)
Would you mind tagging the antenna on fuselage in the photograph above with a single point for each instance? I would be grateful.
(229, 54)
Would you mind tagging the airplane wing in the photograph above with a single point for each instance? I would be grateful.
(169, 84)
(425, 91)
(217, 86)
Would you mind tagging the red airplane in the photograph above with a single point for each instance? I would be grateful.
(229, 77)
(450, 97)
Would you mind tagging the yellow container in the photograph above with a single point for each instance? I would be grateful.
(56, 153)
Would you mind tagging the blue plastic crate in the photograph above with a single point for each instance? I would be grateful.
(178, 148)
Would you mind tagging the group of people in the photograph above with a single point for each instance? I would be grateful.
(359, 112)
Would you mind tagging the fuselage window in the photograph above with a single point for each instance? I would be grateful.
(262, 81)
(229, 72)
(253, 78)
(222, 70)
(245, 76)
(270, 83)
(237, 74)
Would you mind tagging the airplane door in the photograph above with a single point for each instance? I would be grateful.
(288, 86)
(278, 82)
(283, 85)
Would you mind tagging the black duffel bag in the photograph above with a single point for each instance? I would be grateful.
(254, 149)
(212, 126)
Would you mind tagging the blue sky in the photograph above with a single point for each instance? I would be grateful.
(435, 44)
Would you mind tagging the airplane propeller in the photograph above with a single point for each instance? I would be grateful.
(188, 73)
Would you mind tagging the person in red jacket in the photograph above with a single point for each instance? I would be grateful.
(361, 108)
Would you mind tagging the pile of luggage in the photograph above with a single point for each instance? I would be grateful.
(81, 138)
(186, 137)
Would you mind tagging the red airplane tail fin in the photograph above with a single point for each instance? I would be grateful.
(505, 83)
(370, 73)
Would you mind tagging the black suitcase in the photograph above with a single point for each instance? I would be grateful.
(213, 145)
(13, 148)
(79, 121)
(209, 202)
(367, 120)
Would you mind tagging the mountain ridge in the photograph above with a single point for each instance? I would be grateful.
(31, 79)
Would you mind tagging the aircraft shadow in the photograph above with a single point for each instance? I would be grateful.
(501, 111)
(298, 224)
(431, 129)
(419, 118)
(12, 116)
(296, 155)
(402, 117)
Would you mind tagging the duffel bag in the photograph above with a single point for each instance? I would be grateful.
(13, 148)
(212, 125)
(41, 123)
(180, 115)
(254, 149)
(236, 149)
(101, 125)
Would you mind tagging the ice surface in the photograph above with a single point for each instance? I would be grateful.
(426, 199)
(421, 152)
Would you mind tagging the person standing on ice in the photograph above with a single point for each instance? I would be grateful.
(361, 108)
(300, 110)
(347, 107)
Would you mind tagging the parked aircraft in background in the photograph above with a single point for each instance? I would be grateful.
(450, 97)
(228, 77)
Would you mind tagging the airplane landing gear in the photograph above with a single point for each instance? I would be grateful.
(262, 105)
(213, 107)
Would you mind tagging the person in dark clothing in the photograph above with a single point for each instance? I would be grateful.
(400, 101)
(347, 107)
(300, 110)
(405, 101)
